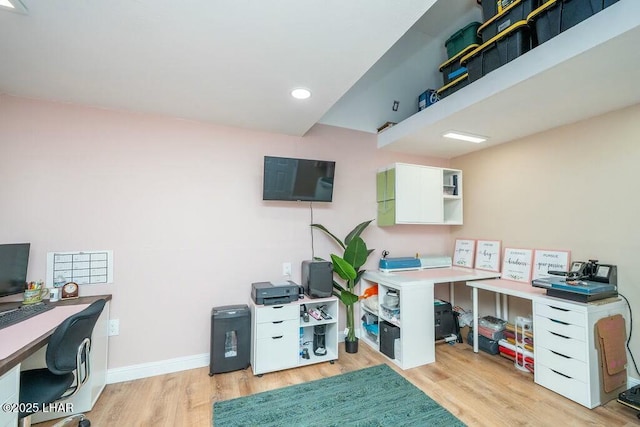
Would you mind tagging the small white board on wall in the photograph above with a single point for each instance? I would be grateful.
(83, 267)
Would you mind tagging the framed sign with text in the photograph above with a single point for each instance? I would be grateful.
(516, 264)
(545, 260)
(488, 255)
(464, 252)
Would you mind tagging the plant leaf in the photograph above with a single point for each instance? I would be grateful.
(356, 231)
(356, 253)
(323, 228)
(348, 298)
(343, 268)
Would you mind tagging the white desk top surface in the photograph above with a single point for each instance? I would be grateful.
(430, 275)
(509, 287)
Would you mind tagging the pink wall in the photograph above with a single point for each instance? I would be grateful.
(180, 205)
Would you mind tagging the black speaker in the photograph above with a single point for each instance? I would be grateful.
(317, 278)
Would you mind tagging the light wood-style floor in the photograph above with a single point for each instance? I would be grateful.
(480, 389)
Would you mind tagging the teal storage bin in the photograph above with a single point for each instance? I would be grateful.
(462, 38)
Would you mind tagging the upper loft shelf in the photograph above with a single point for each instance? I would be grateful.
(583, 72)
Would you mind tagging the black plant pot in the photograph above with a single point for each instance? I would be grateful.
(351, 346)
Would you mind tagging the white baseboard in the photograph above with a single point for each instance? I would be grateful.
(632, 382)
(160, 367)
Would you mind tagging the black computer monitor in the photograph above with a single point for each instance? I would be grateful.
(14, 260)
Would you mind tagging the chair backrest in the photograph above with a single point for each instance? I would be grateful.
(63, 345)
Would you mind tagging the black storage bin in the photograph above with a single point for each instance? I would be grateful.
(491, 8)
(388, 335)
(505, 47)
(452, 69)
(485, 344)
(444, 321)
(556, 16)
(515, 12)
(453, 86)
(230, 338)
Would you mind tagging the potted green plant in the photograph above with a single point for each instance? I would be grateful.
(347, 267)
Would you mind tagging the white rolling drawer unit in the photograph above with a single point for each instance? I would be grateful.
(566, 351)
(275, 337)
(278, 334)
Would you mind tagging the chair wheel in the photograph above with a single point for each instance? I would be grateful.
(84, 423)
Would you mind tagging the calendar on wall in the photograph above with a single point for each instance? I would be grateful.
(84, 267)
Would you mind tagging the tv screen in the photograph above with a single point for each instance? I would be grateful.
(14, 259)
(298, 179)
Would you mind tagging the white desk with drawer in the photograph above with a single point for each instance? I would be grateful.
(565, 351)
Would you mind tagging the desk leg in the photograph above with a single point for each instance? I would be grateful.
(498, 311)
(451, 292)
(475, 320)
(505, 307)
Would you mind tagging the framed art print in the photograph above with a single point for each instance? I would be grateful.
(464, 252)
(488, 255)
(548, 260)
(516, 264)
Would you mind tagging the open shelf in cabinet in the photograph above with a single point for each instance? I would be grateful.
(307, 331)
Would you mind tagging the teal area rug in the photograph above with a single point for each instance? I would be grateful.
(375, 396)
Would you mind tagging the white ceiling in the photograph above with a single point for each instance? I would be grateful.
(234, 62)
(229, 62)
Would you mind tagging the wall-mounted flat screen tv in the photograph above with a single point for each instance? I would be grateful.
(292, 179)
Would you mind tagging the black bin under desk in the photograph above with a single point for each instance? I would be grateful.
(230, 338)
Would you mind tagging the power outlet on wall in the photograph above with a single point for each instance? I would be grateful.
(114, 327)
(286, 269)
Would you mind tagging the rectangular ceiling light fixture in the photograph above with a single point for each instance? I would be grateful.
(13, 6)
(465, 136)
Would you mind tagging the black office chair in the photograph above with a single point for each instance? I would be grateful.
(67, 368)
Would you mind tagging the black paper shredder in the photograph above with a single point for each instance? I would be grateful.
(230, 338)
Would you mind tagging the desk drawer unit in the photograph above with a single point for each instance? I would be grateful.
(270, 313)
(566, 354)
(9, 386)
(276, 336)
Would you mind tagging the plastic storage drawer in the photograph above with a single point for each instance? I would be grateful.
(462, 38)
(503, 48)
(452, 69)
(556, 16)
(454, 86)
(516, 11)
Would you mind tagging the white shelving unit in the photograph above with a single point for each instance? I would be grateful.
(580, 73)
(416, 344)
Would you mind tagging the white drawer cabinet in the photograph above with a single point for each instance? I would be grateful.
(566, 349)
(9, 391)
(279, 334)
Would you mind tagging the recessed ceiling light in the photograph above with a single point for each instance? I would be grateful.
(465, 137)
(301, 93)
(13, 6)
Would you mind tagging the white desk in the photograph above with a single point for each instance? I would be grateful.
(506, 288)
(417, 337)
(23, 346)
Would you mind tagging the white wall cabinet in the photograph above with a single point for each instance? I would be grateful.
(279, 334)
(417, 194)
(565, 349)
